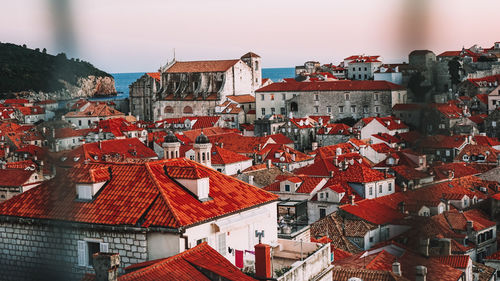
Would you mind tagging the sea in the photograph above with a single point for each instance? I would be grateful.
(123, 80)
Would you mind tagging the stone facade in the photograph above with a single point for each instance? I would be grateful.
(50, 252)
(142, 96)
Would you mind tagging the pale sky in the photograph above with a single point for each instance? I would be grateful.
(140, 35)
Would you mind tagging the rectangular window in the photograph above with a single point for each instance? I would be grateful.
(80, 122)
(447, 152)
(272, 97)
(273, 110)
(316, 109)
(370, 190)
(322, 213)
(377, 109)
(365, 109)
(287, 187)
(346, 96)
(221, 244)
(263, 111)
(316, 97)
(341, 109)
(366, 69)
(380, 189)
(353, 109)
(329, 109)
(262, 97)
(390, 186)
(282, 111)
(86, 249)
(283, 96)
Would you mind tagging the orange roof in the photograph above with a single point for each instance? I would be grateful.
(242, 98)
(340, 85)
(221, 156)
(455, 261)
(201, 66)
(137, 194)
(14, 177)
(154, 75)
(95, 110)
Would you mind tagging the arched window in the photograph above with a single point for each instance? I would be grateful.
(168, 109)
(203, 155)
(188, 110)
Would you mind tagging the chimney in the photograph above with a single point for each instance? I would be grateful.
(421, 274)
(250, 180)
(396, 268)
(470, 227)
(402, 207)
(263, 261)
(424, 247)
(351, 198)
(314, 146)
(269, 164)
(106, 266)
(331, 174)
(445, 247)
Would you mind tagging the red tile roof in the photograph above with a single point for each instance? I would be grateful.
(455, 261)
(14, 177)
(201, 66)
(221, 156)
(138, 194)
(285, 154)
(340, 85)
(155, 75)
(191, 264)
(373, 212)
(242, 98)
(390, 122)
(448, 110)
(485, 81)
(494, 256)
(95, 110)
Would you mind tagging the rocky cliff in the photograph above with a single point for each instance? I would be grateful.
(36, 74)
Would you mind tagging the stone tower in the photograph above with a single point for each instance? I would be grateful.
(202, 148)
(254, 61)
(171, 146)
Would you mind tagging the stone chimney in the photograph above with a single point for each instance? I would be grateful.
(250, 180)
(470, 229)
(314, 146)
(263, 261)
(424, 247)
(396, 268)
(352, 198)
(421, 273)
(106, 266)
(445, 246)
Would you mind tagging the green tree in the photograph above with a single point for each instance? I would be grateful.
(415, 85)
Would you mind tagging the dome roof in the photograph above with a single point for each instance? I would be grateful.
(170, 138)
(202, 139)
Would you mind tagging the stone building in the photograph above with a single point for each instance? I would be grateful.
(338, 99)
(361, 67)
(142, 95)
(198, 87)
(142, 211)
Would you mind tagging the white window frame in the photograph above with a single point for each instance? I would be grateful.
(82, 250)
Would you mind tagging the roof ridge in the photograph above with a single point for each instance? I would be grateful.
(162, 192)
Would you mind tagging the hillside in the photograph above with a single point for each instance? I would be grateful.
(24, 69)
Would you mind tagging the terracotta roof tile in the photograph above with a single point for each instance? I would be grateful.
(340, 85)
(201, 66)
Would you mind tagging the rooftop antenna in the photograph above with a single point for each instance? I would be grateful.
(174, 54)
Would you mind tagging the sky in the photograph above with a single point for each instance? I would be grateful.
(139, 36)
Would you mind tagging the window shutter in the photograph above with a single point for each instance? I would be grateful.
(222, 244)
(82, 253)
(103, 247)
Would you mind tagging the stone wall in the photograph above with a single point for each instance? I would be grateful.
(42, 252)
